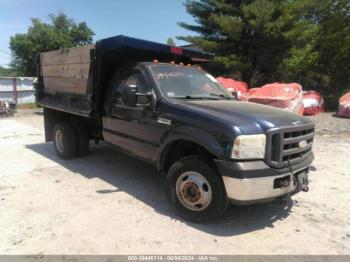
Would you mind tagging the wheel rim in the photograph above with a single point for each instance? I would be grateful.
(59, 141)
(193, 191)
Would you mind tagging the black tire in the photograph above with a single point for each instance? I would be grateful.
(82, 135)
(219, 201)
(69, 144)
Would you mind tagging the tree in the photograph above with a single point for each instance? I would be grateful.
(170, 42)
(334, 44)
(7, 71)
(320, 53)
(62, 32)
(300, 63)
(306, 41)
(246, 35)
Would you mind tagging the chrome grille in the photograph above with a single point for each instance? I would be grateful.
(289, 145)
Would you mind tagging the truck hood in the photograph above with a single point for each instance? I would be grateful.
(250, 118)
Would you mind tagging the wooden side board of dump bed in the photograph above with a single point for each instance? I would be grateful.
(66, 70)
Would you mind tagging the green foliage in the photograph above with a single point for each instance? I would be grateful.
(300, 63)
(306, 41)
(320, 52)
(62, 32)
(334, 44)
(27, 106)
(170, 42)
(7, 71)
(246, 36)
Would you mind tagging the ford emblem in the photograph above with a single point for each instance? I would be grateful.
(302, 144)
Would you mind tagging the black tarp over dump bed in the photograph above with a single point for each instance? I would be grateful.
(74, 79)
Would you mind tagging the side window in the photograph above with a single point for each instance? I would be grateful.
(128, 79)
(123, 75)
(136, 80)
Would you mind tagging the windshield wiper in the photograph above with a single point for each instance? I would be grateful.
(220, 95)
(195, 97)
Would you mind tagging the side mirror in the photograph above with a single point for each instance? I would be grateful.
(131, 97)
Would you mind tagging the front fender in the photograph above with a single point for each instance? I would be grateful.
(192, 134)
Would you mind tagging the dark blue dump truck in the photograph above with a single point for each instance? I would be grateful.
(155, 103)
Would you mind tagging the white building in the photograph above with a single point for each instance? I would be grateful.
(19, 90)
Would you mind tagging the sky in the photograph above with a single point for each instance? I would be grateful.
(154, 20)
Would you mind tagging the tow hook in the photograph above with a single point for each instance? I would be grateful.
(303, 182)
(304, 188)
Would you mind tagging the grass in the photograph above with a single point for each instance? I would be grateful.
(27, 106)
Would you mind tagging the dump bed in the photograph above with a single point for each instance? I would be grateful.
(64, 78)
(66, 70)
(74, 79)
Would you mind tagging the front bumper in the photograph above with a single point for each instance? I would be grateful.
(254, 181)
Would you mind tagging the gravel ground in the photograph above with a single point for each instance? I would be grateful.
(107, 203)
(330, 124)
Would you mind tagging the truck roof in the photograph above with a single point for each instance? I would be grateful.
(126, 44)
(74, 80)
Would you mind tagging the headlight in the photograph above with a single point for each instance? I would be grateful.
(249, 147)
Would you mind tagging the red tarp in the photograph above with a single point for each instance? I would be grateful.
(313, 103)
(344, 105)
(286, 96)
(236, 87)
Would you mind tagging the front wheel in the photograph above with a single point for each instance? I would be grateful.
(196, 190)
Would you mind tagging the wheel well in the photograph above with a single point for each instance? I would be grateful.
(52, 117)
(182, 148)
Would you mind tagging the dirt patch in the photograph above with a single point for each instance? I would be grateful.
(107, 203)
(329, 123)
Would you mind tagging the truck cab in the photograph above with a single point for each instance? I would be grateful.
(213, 149)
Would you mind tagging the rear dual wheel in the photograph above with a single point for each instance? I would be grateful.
(70, 140)
(83, 139)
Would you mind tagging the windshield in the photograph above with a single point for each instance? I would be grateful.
(180, 82)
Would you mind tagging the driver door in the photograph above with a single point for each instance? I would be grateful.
(133, 129)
